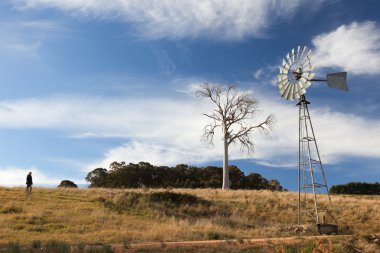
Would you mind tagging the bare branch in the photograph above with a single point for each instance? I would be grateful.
(212, 116)
(208, 132)
(214, 93)
(245, 131)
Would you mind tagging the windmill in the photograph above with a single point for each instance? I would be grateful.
(296, 75)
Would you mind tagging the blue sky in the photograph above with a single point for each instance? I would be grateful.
(88, 82)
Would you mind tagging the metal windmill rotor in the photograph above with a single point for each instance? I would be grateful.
(296, 76)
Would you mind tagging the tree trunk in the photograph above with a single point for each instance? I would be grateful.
(226, 172)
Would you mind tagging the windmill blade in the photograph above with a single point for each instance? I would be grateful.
(297, 95)
(293, 54)
(295, 92)
(308, 69)
(301, 88)
(285, 64)
(308, 75)
(281, 77)
(298, 88)
(306, 57)
(283, 70)
(282, 82)
(338, 80)
(304, 50)
(305, 83)
(284, 88)
(305, 60)
(290, 95)
(302, 53)
(286, 92)
(289, 60)
(298, 52)
(302, 81)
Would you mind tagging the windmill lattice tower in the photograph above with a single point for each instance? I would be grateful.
(314, 202)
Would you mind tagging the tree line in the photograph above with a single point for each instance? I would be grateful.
(356, 188)
(143, 174)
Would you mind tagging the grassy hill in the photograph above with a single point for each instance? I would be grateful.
(107, 216)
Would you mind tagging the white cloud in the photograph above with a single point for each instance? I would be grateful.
(354, 48)
(161, 131)
(160, 153)
(339, 135)
(14, 176)
(346, 135)
(167, 132)
(216, 19)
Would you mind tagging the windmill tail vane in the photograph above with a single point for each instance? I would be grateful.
(337, 80)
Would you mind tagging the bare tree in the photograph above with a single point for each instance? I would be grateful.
(233, 112)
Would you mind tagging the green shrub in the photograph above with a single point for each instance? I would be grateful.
(211, 235)
(67, 184)
(175, 198)
(162, 204)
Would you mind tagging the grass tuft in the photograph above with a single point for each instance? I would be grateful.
(11, 210)
(57, 247)
(14, 247)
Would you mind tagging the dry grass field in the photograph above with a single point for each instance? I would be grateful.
(110, 216)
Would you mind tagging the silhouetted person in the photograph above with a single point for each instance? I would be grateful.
(29, 183)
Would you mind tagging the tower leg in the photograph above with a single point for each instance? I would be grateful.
(310, 166)
(299, 168)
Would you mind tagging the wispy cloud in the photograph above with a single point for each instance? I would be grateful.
(25, 38)
(167, 131)
(216, 19)
(354, 48)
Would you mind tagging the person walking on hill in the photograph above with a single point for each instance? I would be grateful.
(29, 183)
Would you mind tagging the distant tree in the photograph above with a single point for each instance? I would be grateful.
(98, 178)
(67, 184)
(274, 185)
(236, 178)
(256, 181)
(356, 188)
(233, 111)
